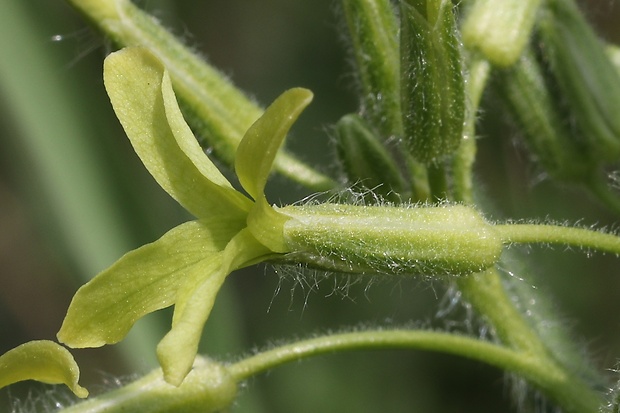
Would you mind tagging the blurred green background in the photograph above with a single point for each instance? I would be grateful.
(74, 197)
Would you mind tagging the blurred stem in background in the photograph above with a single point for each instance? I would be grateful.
(60, 152)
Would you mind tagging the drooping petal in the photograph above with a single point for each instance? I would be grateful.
(41, 360)
(255, 156)
(142, 281)
(144, 102)
(195, 299)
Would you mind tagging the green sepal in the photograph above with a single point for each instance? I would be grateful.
(142, 281)
(177, 350)
(432, 85)
(500, 30)
(366, 162)
(586, 75)
(143, 99)
(436, 241)
(373, 34)
(528, 96)
(41, 360)
(255, 156)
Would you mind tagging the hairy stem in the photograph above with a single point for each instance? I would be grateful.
(556, 234)
(218, 111)
(546, 375)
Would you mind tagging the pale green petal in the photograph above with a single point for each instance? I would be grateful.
(44, 361)
(142, 281)
(255, 156)
(258, 148)
(195, 299)
(144, 102)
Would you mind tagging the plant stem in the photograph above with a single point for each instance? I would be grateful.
(465, 156)
(218, 111)
(547, 375)
(556, 234)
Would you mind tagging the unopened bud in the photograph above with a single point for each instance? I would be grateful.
(366, 162)
(562, 153)
(432, 86)
(500, 30)
(585, 74)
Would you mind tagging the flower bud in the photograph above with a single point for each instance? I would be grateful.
(432, 86)
(585, 74)
(373, 35)
(447, 240)
(500, 30)
(562, 153)
(365, 160)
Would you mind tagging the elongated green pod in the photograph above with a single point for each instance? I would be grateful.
(366, 162)
(448, 240)
(432, 85)
(524, 90)
(586, 75)
(500, 29)
(373, 33)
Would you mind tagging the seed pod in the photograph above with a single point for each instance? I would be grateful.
(448, 240)
(432, 86)
(366, 161)
(373, 34)
(527, 96)
(500, 30)
(585, 74)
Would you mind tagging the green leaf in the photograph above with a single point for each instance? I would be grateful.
(259, 147)
(142, 281)
(44, 361)
(195, 299)
(142, 97)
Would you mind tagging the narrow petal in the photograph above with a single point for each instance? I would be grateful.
(142, 97)
(142, 281)
(195, 299)
(255, 156)
(258, 148)
(44, 361)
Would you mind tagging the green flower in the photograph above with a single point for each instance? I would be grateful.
(187, 266)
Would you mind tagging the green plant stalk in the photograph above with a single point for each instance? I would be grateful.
(485, 290)
(556, 234)
(465, 156)
(538, 370)
(219, 111)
